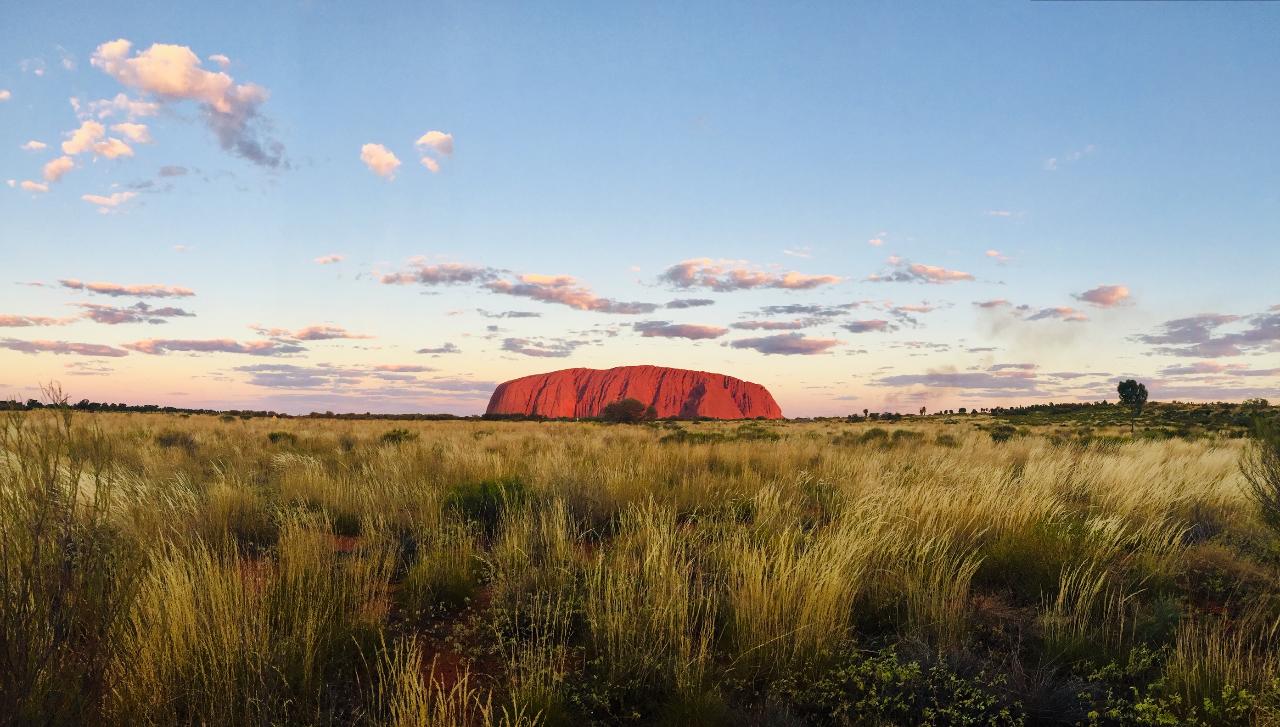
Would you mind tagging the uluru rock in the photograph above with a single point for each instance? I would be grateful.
(673, 392)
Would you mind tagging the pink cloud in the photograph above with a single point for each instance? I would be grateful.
(136, 291)
(787, 344)
(907, 272)
(565, 290)
(161, 346)
(13, 321)
(172, 73)
(1105, 296)
(692, 331)
(62, 348)
(329, 259)
(727, 275)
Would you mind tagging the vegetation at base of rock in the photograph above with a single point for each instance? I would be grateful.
(167, 570)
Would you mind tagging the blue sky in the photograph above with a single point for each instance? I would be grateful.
(1020, 152)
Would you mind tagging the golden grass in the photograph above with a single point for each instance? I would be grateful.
(296, 582)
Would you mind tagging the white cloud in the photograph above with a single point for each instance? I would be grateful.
(31, 186)
(34, 145)
(380, 160)
(220, 59)
(82, 139)
(173, 73)
(112, 148)
(437, 141)
(119, 104)
(5, 94)
(108, 203)
(54, 170)
(137, 133)
(329, 259)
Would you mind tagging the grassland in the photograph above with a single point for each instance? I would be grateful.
(163, 569)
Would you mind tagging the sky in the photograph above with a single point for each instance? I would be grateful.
(316, 206)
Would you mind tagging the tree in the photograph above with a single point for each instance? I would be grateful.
(1132, 396)
(866, 413)
(922, 411)
(624, 411)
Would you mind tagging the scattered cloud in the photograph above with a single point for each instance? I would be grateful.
(56, 168)
(446, 348)
(380, 160)
(565, 290)
(220, 59)
(666, 329)
(324, 333)
(109, 202)
(801, 252)
(120, 104)
(679, 303)
(792, 325)
(1062, 313)
(997, 256)
(139, 312)
(996, 303)
(1105, 296)
(172, 171)
(1053, 163)
(999, 213)
(876, 242)
(787, 344)
(29, 186)
(435, 143)
(909, 272)
(172, 73)
(329, 259)
(5, 94)
(868, 326)
(15, 321)
(440, 274)
(62, 348)
(981, 382)
(556, 348)
(33, 145)
(161, 346)
(728, 275)
(509, 314)
(137, 133)
(136, 291)
(1200, 336)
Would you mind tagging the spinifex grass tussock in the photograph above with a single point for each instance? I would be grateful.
(166, 570)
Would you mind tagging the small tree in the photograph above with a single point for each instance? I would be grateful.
(922, 411)
(1261, 466)
(1132, 396)
(624, 411)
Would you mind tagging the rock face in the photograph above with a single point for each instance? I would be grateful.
(673, 392)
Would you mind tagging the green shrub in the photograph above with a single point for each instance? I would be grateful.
(1002, 433)
(884, 689)
(397, 436)
(947, 440)
(485, 502)
(176, 439)
(282, 438)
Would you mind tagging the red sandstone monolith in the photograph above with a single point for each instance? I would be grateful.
(672, 392)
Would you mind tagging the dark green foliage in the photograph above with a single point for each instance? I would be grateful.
(1002, 433)
(282, 438)
(485, 502)
(626, 411)
(176, 439)
(397, 436)
(1133, 396)
(883, 688)
(946, 440)
(1261, 467)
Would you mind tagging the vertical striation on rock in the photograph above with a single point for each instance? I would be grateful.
(673, 392)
